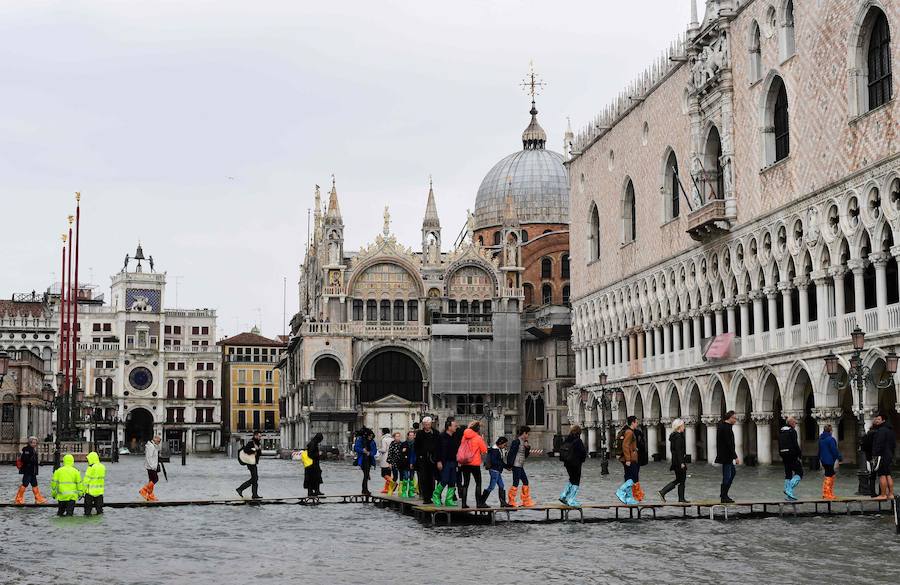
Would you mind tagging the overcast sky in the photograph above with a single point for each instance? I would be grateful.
(201, 127)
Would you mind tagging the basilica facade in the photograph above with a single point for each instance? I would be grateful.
(755, 174)
(387, 334)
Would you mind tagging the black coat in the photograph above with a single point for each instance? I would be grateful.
(579, 453)
(725, 451)
(30, 461)
(885, 442)
(312, 475)
(426, 445)
(679, 450)
(788, 444)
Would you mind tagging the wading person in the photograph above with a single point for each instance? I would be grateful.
(495, 463)
(469, 458)
(366, 450)
(312, 473)
(66, 486)
(29, 464)
(393, 460)
(151, 464)
(519, 451)
(448, 446)
(426, 446)
(726, 455)
(789, 450)
(678, 448)
(829, 457)
(251, 454)
(94, 484)
(883, 447)
(573, 455)
(383, 452)
(408, 466)
(628, 455)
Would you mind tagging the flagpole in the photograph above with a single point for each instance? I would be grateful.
(69, 312)
(62, 314)
(75, 289)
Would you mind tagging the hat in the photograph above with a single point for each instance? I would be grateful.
(427, 419)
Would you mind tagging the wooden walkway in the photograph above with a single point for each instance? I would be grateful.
(297, 501)
(711, 509)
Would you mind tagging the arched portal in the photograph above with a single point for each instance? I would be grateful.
(391, 372)
(325, 389)
(138, 429)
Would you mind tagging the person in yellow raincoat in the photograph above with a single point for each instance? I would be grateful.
(66, 486)
(94, 484)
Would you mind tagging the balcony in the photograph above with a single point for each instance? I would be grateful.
(98, 347)
(516, 292)
(709, 220)
(367, 329)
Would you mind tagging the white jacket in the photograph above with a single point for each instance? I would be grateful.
(386, 441)
(151, 456)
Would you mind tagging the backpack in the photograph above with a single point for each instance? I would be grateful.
(466, 452)
(565, 452)
(619, 443)
(19, 463)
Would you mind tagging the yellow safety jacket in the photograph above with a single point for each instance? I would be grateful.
(66, 483)
(94, 475)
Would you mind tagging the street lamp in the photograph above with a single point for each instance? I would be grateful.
(857, 376)
(66, 406)
(606, 395)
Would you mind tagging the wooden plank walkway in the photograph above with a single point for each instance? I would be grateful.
(298, 500)
(711, 509)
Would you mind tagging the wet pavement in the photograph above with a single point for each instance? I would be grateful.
(355, 543)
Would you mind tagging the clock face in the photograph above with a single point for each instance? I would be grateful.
(140, 378)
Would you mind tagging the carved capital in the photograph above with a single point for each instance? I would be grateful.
(762, 418)
(666, 420)
(857, 265)
(802, 282)
(867, 412)
(651, 422)
(828, 413)
(785, 287)
(689, 420)
(771, 292)
(838, 272)
(796, 413)
(879, 259)
(709, 419)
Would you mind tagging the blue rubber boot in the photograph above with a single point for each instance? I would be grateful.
(795, 481)
(629, 495)
(624, 492)
(788, 491)
(571, 501)
(564, 496)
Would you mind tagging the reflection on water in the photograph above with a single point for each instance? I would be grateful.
(352, 544)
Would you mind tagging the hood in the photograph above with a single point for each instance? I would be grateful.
(825, 434)
(68, 460)
(93, 458)
(318, 438)
(469, 434)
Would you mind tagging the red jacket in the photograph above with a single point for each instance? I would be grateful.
(473, 442)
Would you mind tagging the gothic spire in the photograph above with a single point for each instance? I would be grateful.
(333, 215)
(431, 219)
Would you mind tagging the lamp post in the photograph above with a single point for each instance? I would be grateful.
(606, 394)
(65, 405)
(857, 376)
(115, 420)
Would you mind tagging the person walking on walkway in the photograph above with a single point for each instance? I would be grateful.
(448, 447)
(726, 455)
(253, 450)
(883, 447)
(426, 446)
(496, 463)
(628, 455)
(366, 450)
(393, 460)
(469, 458)
(383, 452)
(312, 473)
(30, 463)
(678, 448)
(829, 457)
(408, 466)
(573, 455)
(94, 484)
(151, 464)
(519, 451)
(66, 486)
(791, 457)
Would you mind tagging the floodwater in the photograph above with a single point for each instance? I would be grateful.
(362, 544)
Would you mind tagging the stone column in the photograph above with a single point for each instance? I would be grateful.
(579, 368)
(895, 252)
(708, 324)
(23, 423)
(838, 273)
(720, 326)
(729, 311)
(711, 444)
(759, 323)
(744, 308)
(690, 436)
(829, 415)
(667, 425)
(821, 281)
(592, 439)
(739, 428)
(648, 340)
(772, 297)
(858, 267)
(652, 425)
(676, 343)
(763, 422)
(596, 350)
(610, 354)
(802, 283)
(667, 345)
(880, 261)
(617, 349)
(657, 341)
(685, 331)
(696, 320)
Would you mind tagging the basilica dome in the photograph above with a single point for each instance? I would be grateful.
(534, 176)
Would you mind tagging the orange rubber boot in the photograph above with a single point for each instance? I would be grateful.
(145, 491)
(511, 497)
(526, 496)
(387, 484)
(38, 498)
(152, 497)
(637, 492)
(20, 495)
(829, 488)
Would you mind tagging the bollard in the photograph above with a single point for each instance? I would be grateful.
(897, 514)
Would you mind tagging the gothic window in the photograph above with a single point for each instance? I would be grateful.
(98, 386)
(476, 307)
(170, 389)
(546, 294)
(109, 387)
(463, 307)
(714, 179)
(566, 294)
(524, 236)
(787, 31)
(528, 291)
(486, 307)
(412, 311)
(496, 238)
(782, 135)
(180, 393)
(672, 188)
(755, 53)
(385, 313)
(534, 410)
(398, 310)
(357, 310)
(594, 238)
(879, 62)
(371, 311)
(776, 135)
(451, 306)
(564, 266)
(209, 389)
(546, 268)
(629, 214)
(199, 388)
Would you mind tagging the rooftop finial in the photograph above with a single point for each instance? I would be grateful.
(534, 137)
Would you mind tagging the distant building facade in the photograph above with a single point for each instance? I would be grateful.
(22, 410)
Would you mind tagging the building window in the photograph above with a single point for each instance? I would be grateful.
(451, 307)
(412, 311)
(242, 396)
(256, 396)
(594, 238)
(534, 410)
(787, 31)
(546, 294)
(199, 387)
(672, 187)
(170, 389)
(528, 291)
(109, 387)
(755, 53)
(242, 420)
(879, 62)
(524, 236)
(357, 310)
(257, 377)
(782, 135)
(269, 396)
(713, 179)
(470, 404)
(204, 330)
(242, 376)
(546, 268)
(180, 392)
(270, 420)
(371, 311)
(566, 293)
(398, 311)
(496, 238)
(486, 307)
(776, 131)
(463, 307)
(98, 386)
(629, 214)
(565, 266)
(269, 376)
(167, 329)
(255, 420)
(210, 390)
(195, 331)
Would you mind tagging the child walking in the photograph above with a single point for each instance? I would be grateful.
(407, 466)
(393, 459)
(495, 463)
(518, 452)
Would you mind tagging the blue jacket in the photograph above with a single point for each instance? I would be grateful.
(828, 450)
(495, 459)
(358, 448)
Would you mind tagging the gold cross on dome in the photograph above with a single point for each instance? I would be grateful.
(532, 84)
